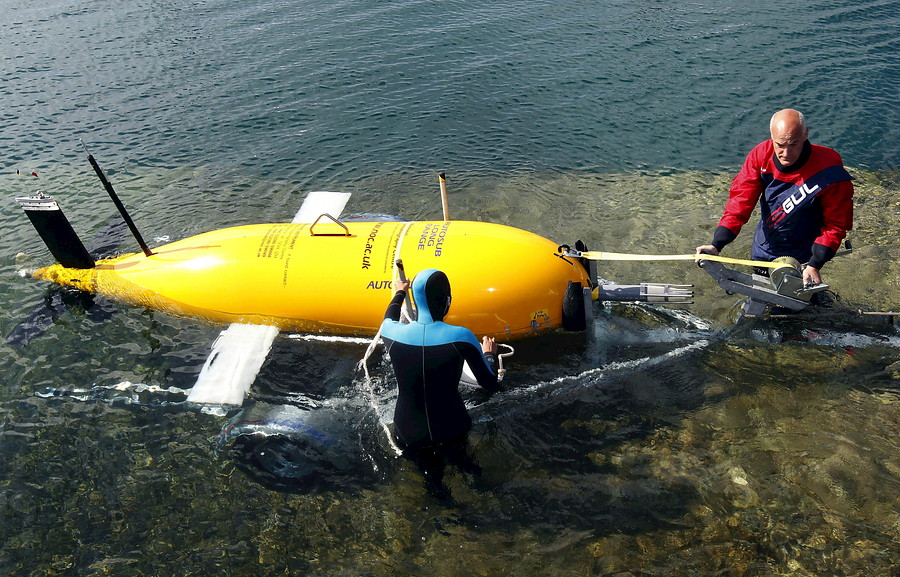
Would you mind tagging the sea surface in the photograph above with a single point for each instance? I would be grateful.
(664, 441)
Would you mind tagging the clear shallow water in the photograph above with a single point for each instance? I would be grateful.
(666, 444)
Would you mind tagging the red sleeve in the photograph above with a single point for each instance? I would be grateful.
(837, 213)
(746, 188)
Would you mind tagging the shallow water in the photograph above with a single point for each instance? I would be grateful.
(664, 442)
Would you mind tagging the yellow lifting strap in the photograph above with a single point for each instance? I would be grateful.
(597, 255)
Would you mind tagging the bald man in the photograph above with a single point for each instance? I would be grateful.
(805, 199)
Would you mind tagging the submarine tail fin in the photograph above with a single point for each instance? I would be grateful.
(319, 202)
(231, 368)
(56, 232)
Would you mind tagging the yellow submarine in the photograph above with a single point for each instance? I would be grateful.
(336, 278)
(322, 275)
(318, 274)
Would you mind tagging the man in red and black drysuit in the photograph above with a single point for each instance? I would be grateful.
(805, 198)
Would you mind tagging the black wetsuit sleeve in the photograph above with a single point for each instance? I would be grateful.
(483, 365)
(396, 306)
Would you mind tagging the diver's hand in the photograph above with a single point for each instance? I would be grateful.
(488, 345)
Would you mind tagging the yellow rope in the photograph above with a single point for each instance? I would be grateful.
(597, 255)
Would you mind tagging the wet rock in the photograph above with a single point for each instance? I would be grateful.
(611, 554)
(893, 370)
(760, 569)
(62, 562)
(597, 458)
(715, 531)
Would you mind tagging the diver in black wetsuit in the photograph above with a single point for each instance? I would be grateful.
(430, 418)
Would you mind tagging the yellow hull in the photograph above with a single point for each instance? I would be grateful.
(506, 282)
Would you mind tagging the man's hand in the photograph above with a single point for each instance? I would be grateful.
(705, 249)
(400, 285)
(811, 276)
(708, 249)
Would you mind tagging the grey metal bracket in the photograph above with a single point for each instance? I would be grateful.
(759, 289)
(335, 221)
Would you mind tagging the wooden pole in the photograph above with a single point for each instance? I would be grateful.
(444, 196)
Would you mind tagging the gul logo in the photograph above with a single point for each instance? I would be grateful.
(790, 203)
(794, 200)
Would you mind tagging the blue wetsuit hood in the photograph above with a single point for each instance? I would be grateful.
(431, 293)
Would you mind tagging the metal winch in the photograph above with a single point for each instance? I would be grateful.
(788, 278)
(782, 288)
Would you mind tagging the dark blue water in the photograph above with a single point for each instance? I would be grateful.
(669, 443)
(317, 93)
